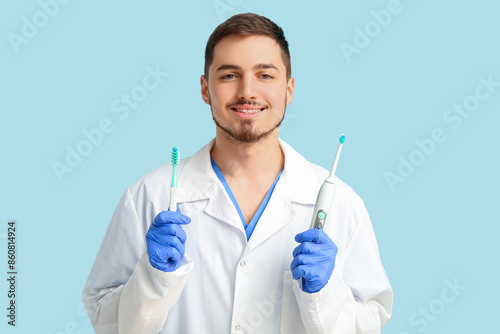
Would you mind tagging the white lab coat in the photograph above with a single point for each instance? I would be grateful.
(227, 284)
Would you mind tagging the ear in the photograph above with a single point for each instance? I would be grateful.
(290, 89)
(205, 94)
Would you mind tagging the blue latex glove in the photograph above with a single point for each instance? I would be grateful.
(314, 259)
(166, 239)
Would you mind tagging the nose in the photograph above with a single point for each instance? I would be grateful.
(247, 88)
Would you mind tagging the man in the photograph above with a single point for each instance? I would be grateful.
(238, 255)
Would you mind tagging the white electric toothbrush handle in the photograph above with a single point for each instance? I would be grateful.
(323, 204)
(326, 193)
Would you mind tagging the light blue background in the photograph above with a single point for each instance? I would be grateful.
(440, 224)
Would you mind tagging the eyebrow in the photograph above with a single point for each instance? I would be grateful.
(236, 67)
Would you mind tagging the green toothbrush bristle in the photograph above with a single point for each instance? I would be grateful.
(342, 139)
(175, 156)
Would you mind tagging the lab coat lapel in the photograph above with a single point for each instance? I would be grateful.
(221, 207)
(198, 181)
(278, 212)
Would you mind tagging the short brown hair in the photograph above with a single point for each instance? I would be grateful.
(248, 24)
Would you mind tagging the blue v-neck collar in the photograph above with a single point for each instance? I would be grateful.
(251, 226)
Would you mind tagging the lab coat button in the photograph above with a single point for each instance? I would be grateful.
(242, 263)
(238, 327)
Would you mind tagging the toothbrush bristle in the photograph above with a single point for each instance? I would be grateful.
(175, 155)
(342, 139)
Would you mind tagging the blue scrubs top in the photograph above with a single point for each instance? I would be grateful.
(251, 226)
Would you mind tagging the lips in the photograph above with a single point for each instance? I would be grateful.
(247, 109)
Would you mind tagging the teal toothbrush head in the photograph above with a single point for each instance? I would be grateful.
(175, 162)
(175, 157)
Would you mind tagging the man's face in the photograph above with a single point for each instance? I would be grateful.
(247, 88)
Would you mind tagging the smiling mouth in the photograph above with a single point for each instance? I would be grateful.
(248, 111)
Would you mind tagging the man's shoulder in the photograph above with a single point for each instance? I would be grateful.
(159, 177)
(341, 187)
(320, 174)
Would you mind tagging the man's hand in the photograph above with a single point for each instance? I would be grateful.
(314, 259)
(166, 239)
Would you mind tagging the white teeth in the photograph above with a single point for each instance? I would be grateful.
(248, 111)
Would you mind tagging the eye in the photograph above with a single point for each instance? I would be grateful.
(266, 76)
(228, 76)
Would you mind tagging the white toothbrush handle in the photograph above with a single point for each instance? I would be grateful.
(173, 199)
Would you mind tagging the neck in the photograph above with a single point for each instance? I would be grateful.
(252, 161)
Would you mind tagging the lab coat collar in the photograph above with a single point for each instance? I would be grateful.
(302, 183)
(197, 179)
